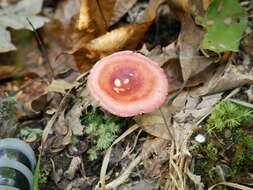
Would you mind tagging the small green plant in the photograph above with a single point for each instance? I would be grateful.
(29, 133)
(74, 140)
(44, 174)
(227, 115)
(93, 154)
(101, 128)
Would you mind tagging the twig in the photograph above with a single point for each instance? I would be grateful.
(42, 48)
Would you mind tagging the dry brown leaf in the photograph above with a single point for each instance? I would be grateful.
(73, 167)
(120, 9)
(66, 10)
(227, 77)
(7, 71)
(95, 15)
(189, 42)
(187, 6)
(60, 86)
(154, 122)
(196, 180)
(126, 37)
(60, 142)
(38, 104)
(73, 118)
(151, 12)
(206, 4)
(154, 154)
(61, 126)
(196, 107)
(162, 55)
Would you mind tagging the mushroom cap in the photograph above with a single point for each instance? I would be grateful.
(127, 83)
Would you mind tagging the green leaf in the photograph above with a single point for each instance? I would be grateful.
(225, 22)
(15, 16)
(36, 176)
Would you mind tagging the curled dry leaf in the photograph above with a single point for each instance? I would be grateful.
(120, 9)
(61, 126)
(154, 154)
(73, 167)
(60, 142)
(151, 11)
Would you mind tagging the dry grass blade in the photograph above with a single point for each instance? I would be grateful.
(229, 184)
(108, 153)
(124, 176)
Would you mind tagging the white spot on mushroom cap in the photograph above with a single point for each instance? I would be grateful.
(126, 81)
(200, 138)
(117, 82)
(118, 90)
(131, 74)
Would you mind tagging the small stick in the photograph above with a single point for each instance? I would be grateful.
(42, 48)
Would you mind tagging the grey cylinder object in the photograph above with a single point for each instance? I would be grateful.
(17, 163)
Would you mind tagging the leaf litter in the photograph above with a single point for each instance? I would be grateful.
(198, 79)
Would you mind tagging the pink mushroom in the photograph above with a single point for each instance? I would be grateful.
(128, 83)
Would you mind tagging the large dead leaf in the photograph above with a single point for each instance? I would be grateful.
(95, 15)
(189, 42)
(91, 42)
(126, 37)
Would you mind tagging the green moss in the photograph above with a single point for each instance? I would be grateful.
(227, 115)
(234, 152)
(101, 128)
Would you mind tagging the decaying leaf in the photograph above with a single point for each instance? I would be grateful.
(61, 126)
(15, 16)
(155, 152)
(91, 42)
(6, 71)
(95, 15)
(120, 8)
(73, 118)
(226, 77)
(73, 167)
(154, 123)
(151, 11)
(60, 142)
(162, 55)
(189, 42)
(225, 22)
(126, 37)
(60, 86)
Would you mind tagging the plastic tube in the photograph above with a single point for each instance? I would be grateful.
(17, 162)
